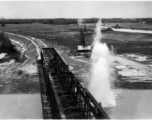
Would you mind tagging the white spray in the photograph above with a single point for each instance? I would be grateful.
(100, 79)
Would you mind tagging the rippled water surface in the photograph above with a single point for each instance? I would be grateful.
(20, 106)
(132, 104)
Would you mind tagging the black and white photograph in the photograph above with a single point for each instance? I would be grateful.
(75, 59)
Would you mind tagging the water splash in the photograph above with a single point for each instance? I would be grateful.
(101, 76)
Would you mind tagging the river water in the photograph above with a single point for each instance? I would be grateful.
(20, 106)
(132, 104)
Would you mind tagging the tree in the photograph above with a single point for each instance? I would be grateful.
(2, 25)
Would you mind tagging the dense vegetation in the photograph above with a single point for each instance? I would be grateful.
(5, 45)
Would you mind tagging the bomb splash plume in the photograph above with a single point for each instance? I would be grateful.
(100, 80)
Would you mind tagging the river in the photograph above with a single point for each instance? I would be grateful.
(132, 104)
(20, 106)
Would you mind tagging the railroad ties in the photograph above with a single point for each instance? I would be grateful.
(63, 96)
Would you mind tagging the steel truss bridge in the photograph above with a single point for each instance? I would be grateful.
(63, 96)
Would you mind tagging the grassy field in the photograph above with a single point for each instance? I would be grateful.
(67, 36)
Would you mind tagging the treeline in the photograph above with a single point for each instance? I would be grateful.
(43, 21)
(74, 21)
(5, 45)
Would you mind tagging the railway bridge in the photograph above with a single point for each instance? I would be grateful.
(62, 95)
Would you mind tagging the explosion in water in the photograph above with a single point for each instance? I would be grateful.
(100, 82)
